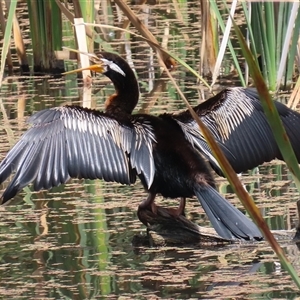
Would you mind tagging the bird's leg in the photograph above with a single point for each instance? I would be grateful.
(180, 210)
(148, 203)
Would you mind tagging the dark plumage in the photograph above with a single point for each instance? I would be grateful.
(162, 151)
(236, 119)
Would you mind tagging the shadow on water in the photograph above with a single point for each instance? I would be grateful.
(75, 241)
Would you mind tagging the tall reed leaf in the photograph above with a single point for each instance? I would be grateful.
(273, 34)
(282, 141)
(227, 40)
(7, 34)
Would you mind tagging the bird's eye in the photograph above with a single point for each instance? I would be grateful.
(110, 65)
(117, 69)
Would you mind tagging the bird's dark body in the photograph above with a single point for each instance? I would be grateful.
(178, 166)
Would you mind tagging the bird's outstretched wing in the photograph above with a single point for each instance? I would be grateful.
(236, 119)
(77, 142)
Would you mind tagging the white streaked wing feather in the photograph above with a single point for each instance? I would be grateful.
(77, 129)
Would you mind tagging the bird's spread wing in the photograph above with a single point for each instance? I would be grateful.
(76, 142)
(196, 138)
(236, 119)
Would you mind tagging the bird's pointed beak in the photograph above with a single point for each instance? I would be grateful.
(99, 68)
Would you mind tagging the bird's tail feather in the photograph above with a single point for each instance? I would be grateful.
(228, 221)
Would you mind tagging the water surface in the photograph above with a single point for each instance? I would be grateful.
(77, 241)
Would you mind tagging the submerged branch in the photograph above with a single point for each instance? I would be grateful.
(167, 230)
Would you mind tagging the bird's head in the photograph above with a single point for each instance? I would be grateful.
(120, 73)
(107, 63)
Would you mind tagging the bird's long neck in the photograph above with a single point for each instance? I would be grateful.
(127, 94)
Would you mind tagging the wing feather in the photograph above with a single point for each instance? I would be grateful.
(236, 119)
(77, 142)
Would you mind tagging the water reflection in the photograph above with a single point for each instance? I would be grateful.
(75, 241)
